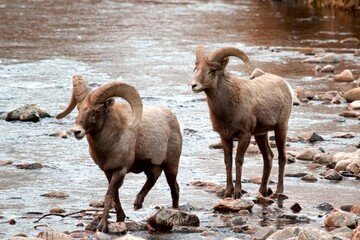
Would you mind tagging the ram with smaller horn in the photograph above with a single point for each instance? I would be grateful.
(125, 137)
(241, 108)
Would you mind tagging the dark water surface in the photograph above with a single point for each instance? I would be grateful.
(150, 44)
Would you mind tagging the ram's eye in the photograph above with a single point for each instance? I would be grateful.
(194, 69)
(212, 72)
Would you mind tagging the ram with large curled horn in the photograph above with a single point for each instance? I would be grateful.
(241, 108)
(125, 137)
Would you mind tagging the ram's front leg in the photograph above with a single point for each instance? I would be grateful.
(243, 144)
(115, 179)
(227, 145)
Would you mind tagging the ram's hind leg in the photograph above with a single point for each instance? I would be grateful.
(280, 138)
(265, 149)
(171, 174)
(152, 176)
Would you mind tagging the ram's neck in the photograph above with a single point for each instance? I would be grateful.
(223, 103)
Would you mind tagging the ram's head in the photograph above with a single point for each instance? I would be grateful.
(93, 104)
(210, 68)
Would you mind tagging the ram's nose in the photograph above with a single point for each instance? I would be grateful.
(78, 132)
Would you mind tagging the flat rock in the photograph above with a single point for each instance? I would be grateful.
(55, 194)
(350, 40)
(309, 178)
(327, 58)
(343, 135)
(166, 219)
(350, 114)
(28, 112)
(310, 137)
(29, 166)
(263, 233)
(54, 235)
(327, 68)
(355, 105)
(332, 174)
(233, 205)
(5, 162)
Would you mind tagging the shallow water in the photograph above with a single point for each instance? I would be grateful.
(150, 44)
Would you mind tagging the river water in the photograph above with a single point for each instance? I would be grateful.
(150, 44)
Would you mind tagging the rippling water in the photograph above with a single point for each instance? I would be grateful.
(150, 44)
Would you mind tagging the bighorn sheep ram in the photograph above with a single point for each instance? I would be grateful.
(126, 138)
(242, 108)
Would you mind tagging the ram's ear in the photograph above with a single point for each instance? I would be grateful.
(224, 63)
(108, 103)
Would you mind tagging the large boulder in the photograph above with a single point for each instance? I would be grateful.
(338, 218)
(165, 219)
(27, 113)
(352, 94)
(344, 76)
(298, 233)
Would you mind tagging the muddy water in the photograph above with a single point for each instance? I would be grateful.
(150, 44)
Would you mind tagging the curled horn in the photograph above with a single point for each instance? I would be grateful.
(199, 53)
(120, 89)
(224, 52)
(80, 90)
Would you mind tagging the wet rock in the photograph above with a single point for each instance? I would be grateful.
(11, 221)
(29, 166)
(296, 175)
(327, 207)
(355, 209)
(55, 194)
(342, 164)
(350, 114)
(263, 201)
(165, 219)
(343, 135)
(217, 145)
(323, 158)
(352, 94)
(327, 68)
(257, 180)
(310, 137)
(350, 40)
(256, 73)
(81, 234)
(313, 166)
(346, 208)
(240, 220)
(338, 218)
(252, 149)
(308, 154)
(309, 178)
(54, 235)
(134, 226)
(233, 205)
(354, 166)
(5, 162)
(263, 233)
(217, 189)
(28, 112)
(296, 207)
(355, 105)
(338, 99)
(344, 76)
(117, 227)
(332, 174)
(300, 233)
(57, 210)
(61, 134)
(327, 58)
